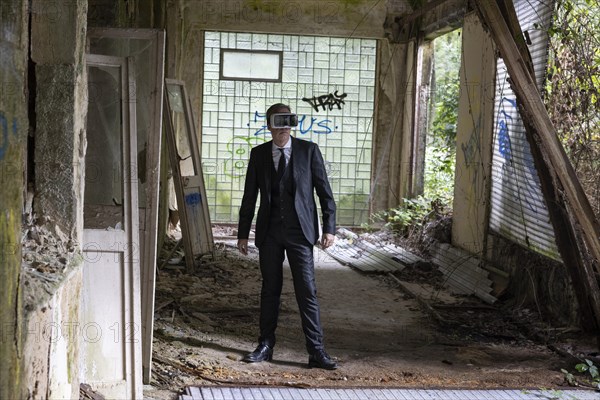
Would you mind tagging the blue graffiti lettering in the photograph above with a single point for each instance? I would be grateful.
(512, 102)
(262, 131)
(505, 149)
(323, 124)
(306, 124)
(504, 143)
(258, 116)
(302, 124)
(193, 199)
(504, 146)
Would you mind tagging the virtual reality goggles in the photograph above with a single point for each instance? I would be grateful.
(283, 120)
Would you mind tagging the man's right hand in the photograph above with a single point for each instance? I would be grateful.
(243, 246)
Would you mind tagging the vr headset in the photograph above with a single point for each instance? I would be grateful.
(283, 120)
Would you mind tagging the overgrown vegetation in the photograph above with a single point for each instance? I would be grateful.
(440, 153)
(588, 375)
(409, 218)
(573, 88)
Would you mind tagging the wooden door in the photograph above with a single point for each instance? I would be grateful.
(111, 316)
(147, 47)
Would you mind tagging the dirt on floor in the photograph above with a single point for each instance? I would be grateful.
(207, 321)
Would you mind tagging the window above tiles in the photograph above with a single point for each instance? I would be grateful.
(251, 65)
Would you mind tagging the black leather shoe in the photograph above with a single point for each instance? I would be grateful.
(320, 359)
(262, 353)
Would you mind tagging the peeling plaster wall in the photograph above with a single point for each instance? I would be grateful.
(357, 18)
(57, 68)
(57, 49)
(422, 114)
(13, 131)
(52, 342)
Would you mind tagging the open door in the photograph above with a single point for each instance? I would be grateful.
(188, 179)
(147, 48)
(111, 316)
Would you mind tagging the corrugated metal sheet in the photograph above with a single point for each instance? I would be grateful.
(291, 393)
(462, 271)
(350, 249)
(518, 209)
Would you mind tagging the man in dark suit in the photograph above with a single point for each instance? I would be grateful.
(287, 171)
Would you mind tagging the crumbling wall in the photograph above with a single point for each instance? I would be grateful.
(58, 34)
(13, 131)
(52, 336)
(51, 261)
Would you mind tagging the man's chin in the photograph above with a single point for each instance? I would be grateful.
(282, 139)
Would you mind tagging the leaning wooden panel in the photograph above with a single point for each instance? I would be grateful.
(147, 47)
(193, 137)
(187, 174)
(176, 169)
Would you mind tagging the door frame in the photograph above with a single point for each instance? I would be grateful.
(94, 240)
(149, 242)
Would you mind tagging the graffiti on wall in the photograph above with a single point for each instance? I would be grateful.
(504, 145)
(306, 124)
(238, 148)
(4, 134)
(508, 107)
(327, 101)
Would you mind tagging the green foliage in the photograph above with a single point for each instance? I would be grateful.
(591, 369)
(447, 56)
(591, 376)
(573, 88)
(569, 377)
(410, 215)
(440, 153)
(439, 174)
(440, 149)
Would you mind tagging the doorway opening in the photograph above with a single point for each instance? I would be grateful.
(440, 142)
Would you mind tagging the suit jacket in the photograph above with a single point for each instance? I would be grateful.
(309, 176)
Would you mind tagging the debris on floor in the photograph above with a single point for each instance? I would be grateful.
(207, 321)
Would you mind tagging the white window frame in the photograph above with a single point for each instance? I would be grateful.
(249, 77)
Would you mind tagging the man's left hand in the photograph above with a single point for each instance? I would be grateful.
(327, 240)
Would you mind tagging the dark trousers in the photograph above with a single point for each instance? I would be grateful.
(299, 252)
